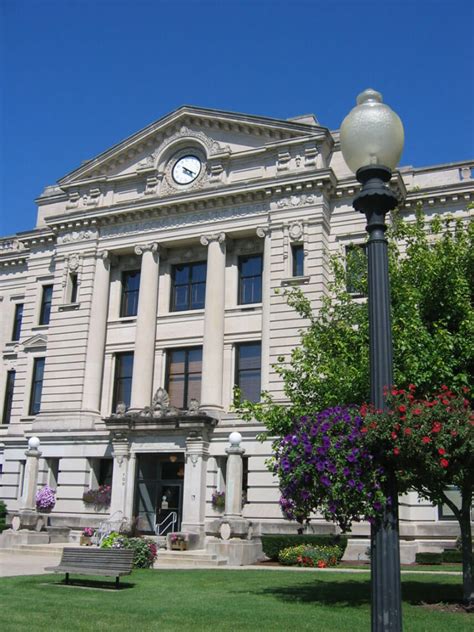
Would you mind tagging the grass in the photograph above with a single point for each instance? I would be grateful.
(223, 600)
(432, 568)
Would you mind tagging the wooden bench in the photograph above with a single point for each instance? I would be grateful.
(89, 561)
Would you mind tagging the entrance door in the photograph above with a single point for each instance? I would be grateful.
(159, 491)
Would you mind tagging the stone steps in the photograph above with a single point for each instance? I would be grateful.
(41, 549)
(194, 558)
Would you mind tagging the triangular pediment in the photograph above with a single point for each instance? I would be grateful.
(35, 343)
(217, 132)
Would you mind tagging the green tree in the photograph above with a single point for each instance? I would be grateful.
(432, 288)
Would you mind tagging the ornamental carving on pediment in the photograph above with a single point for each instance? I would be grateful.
(7, 245)
(212, 146)
(77, 235)
(296, 200)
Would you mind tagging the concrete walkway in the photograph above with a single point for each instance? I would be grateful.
(31, 563)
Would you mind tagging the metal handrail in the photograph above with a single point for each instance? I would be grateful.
(114, 523)
(169, 521)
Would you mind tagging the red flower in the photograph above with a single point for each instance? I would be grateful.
(396, 451)
(426, 440)
(441, 451)
(417, 411)
(394, 435)
(394, 392)
(411, 387)
(321, 564)
(437, 426)
(465, 389)
(364, 430)
(411, 398)
(454, 433)
(402, 409)
(444, 463)
(445, 402)
(429, 404)
(444, 387)
(407, 431)
(373, 425)
(397, 427)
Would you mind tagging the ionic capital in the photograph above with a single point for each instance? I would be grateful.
(207, 239)
(263, 231)
(142, 248)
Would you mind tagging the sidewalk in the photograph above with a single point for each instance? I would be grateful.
(13, 564)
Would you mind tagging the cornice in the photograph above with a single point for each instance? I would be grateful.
(266, 189)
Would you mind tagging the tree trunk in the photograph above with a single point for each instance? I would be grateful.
(466, 547)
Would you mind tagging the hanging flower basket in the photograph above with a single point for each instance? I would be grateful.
(45, 499)
(218, 501)
(99, 497)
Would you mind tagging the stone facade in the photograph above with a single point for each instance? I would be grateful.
(264, 187)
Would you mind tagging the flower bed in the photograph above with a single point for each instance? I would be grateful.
(310, 556)
(144, 548)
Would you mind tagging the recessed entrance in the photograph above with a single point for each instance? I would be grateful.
(159, 491)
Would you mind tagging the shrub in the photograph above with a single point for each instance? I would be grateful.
(273, 544)
(429, 558)
(452, 555)
(3, 516)
(312, 556)
(145, 550)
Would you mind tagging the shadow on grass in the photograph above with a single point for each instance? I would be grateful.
(357, 593)
(92, 584)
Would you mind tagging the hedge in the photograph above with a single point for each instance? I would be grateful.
(273, 544)
(452, 555)
(429, 558)
(3, 516)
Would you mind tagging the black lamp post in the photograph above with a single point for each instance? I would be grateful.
(371, 143)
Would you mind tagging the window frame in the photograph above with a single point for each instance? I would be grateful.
(46, 304)
(238, 370)
(17, 321)
(249, 277)
(119, 380)
(8, 400)
(186, 373)
(190, 285)
(297, 248)
(125, 294)
(35, 383)
(73, 287)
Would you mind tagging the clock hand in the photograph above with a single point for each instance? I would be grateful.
(188, 171)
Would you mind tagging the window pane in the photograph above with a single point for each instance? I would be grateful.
(194, 388)
(123, 379)
(130, 292)
(249, 357)
(248, 371)
(45, 312)
(36, 386)
(17, 321)
(176, 388)
(7, 406)
(198, 295)
(250, 279)
(298, 260)
(181, 298)
(73, 288)
(183, 379)
(188, 286)
(181, 274)
(198, 272)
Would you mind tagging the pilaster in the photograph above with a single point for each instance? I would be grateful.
(194, 501)
(121, 455)
(264, 233)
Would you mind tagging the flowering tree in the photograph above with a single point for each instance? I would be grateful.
(429, 442)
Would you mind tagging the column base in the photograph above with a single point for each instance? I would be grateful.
(237, 552)
(197, 532)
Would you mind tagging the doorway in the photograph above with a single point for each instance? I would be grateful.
(159, 492)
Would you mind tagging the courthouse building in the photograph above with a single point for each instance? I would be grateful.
(147, 290)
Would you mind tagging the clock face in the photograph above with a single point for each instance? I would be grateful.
(186, 169)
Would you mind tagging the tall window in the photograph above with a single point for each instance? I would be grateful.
(7, 405)
(248, 370)
(53, 472)
(183, 376)
(123, 379)
(250, 279)
(36, 386)
(46, 299)
(130, 289)
(73, 286)
(298, 260)
(356, 269)
(17, 321)
(188, 286)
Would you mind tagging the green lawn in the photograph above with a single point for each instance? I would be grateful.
(218, 600)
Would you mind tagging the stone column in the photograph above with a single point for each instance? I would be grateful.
(194, 492)
(213, 345)
(264, 233)
(234, 475)
(30, 480)
(97, 333)
(130, 491)
(121, 454)
(144, 353)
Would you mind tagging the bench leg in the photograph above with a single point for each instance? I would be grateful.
(117, 581)
(67, 578)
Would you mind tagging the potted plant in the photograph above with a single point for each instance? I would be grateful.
(86, 536)
(99, 497)
(218, 500)
(178, 542)
(45, 499)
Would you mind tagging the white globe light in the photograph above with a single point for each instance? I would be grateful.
(34, 443)
(235, 439)
(371, 134)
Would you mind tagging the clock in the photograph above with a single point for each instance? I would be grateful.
(186, 169)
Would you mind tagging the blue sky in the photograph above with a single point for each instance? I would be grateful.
(77, 76)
